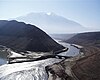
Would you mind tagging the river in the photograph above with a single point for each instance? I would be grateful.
(3, 56)
(32, 70)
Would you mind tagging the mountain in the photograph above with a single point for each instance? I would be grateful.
(51, 23)
(86, 39)
(26, 37)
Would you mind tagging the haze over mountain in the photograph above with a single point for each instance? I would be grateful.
(26, 37)
(52, 23)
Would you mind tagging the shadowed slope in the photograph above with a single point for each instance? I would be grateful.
(26, 37)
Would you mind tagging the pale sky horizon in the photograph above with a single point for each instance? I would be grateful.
(85, 12)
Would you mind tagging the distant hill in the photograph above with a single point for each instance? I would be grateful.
(86, 39)
(51, 23)
(62, 37)
(26, 37)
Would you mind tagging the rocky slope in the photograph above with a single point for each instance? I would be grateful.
(87, 68)
(26, 37)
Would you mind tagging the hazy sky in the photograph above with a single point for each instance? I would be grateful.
(85, 12)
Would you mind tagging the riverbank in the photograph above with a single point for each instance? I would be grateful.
(63, 69)
(14, 57)
(80, 67)
(38, 69)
